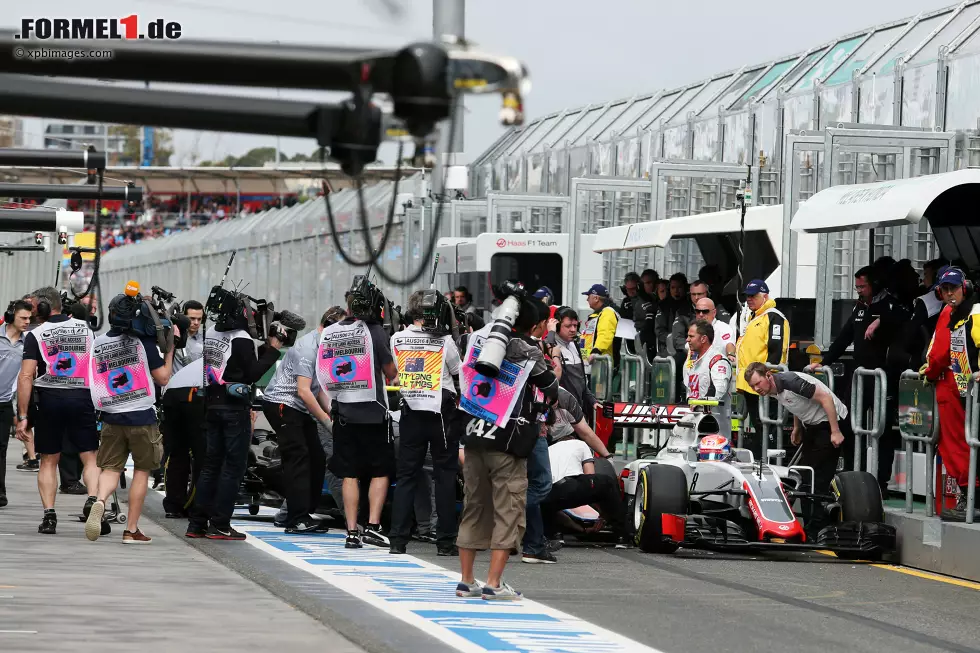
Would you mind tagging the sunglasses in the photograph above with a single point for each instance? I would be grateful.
(702, 311)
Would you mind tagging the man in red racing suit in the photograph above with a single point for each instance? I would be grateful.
(951, 358)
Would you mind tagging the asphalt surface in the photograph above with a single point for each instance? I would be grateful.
(687, 602)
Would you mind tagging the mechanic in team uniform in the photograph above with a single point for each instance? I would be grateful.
(765, 339)
(870, 351)
(125, 371)
(708, 373)
(950, 361)
(58, 351)
(819, 417)
(423, 347)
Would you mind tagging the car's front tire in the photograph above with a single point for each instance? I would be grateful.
(660, 490)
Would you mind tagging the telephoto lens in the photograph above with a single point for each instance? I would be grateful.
(495, 346)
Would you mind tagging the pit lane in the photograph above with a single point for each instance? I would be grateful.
(692, 601)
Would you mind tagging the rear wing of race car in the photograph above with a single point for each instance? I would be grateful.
(618, 415)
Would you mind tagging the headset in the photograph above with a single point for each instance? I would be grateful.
(968, 286)
(8, 315)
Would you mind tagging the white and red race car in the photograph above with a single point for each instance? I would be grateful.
(676, 500)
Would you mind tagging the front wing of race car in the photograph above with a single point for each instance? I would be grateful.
(847, 539)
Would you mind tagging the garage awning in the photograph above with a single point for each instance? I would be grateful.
(660, 232)
(881, 204)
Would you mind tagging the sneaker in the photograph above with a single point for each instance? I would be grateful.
(228, 533)
(398, 548)
(465, 591)
(3, 500)
(374, 536)
(623, 542)
(545, 558)
(88, 506)
(448, 550)
(49, 524)
(503, 593)
(307, 526)
(195, 532)
(176, 515)
(75, 488)
(428, 538)
(353, 540)
(130, 537)
(556, 544)
(29, 466)
(106, 529)
(93, 523)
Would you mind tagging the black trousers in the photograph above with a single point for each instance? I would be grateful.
(185, 443)
(304, 464)
(6, 421)
(69, 464)
(229, 433)
(752, 440)
(820, 453)
(575, 491)
(418, 431)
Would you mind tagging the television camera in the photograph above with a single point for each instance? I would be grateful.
(236, 310)
(132, 313)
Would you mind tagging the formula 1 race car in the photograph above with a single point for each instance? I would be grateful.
(674, 499)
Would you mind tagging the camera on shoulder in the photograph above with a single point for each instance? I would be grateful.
(259, 318)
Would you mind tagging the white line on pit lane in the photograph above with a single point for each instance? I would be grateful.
(423, 595)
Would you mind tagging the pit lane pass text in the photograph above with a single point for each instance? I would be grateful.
(78, 29)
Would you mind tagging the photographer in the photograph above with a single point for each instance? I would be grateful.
(58, 352)
(290, 404)
(353, 363)
(427, 361)
(231, 365)
(184, 439)
(125, 365)
(499, 418)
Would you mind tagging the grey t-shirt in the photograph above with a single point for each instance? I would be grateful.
(191, 352)
(300, 360)
(568, 412)
(796, 391)
(11, 356)
(371, 412)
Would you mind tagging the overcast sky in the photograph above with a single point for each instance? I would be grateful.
(578, 51)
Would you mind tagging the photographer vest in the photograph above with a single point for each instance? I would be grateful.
(67, 350)
(345, 363)
(121, 378)
(421, 361)
(217, 352)
(493, 400)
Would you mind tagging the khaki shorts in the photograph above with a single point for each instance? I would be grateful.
(494, 501)
(144, 442)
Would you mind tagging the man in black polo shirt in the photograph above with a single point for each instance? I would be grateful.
(58, 352)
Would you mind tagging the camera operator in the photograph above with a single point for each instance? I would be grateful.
(58, 353)
(184, 439)
(353, 363)
(500, 420)
(427, 361)
(15, 320)
(125, 365)
(232, 365)
(291, 406)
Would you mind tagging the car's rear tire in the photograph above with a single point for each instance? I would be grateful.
(660, 490)
(860, 501)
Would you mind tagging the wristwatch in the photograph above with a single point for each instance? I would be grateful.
(21, 418)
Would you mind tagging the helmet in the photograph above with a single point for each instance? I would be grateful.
(714, 447)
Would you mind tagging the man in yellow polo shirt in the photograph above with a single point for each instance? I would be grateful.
(765, 339)
(600, 328)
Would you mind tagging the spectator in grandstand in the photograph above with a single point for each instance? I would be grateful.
(766, 340)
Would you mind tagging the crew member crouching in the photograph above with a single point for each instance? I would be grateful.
(428, 362)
